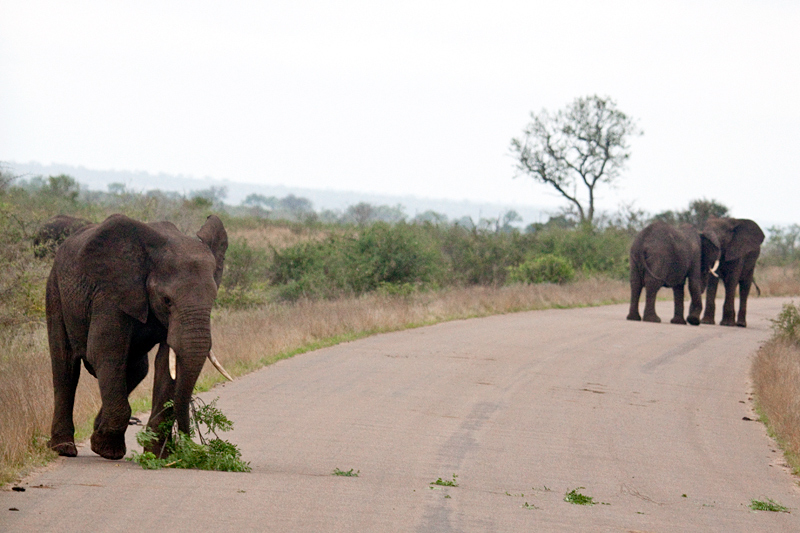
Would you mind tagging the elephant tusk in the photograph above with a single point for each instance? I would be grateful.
(172, 361)
(218, 365)
(714, 268)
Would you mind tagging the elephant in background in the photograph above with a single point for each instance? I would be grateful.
(117, 289)
(53, 232)
(740, 245)
(663, 255)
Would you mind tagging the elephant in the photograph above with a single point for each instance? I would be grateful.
(740, 246)
(53, 232)
(663, 255)
(116, 289)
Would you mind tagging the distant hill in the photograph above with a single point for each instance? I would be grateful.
(321, 198)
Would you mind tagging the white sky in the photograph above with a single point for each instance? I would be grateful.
(409, 97)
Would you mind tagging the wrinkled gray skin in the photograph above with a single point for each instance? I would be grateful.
(116, 290)
(665, 256)
(53, 232)
(740, 245)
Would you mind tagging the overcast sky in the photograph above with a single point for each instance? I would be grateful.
(412, 97)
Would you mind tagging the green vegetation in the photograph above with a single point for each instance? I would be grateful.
(446, 482)
(776, 387)
(768, 505)
(576, 498)
(786, 326)
(183, 452)
(546, 268)
(345, 473)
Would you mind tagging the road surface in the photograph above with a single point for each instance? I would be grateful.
(646, 419)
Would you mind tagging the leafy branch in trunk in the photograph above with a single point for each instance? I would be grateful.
(183, 452)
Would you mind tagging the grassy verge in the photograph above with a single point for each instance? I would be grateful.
(775, 373)
(245, 340)
(776, 383)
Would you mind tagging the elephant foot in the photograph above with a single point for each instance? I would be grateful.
(727, 322)
(678, 320)
(634, 316)
(707, 320)
(66, 448)
(109, 445)
(651, 318)
(742, 324)
(693, 320)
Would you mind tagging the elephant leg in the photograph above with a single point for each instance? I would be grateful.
(636, 292)
(163, 391)
(728, 309)
(651, 290)
(744, 292)
(66, 372)
(677, 296)
(136, 371)
(696, 305)
(109, 338)
(711, 297)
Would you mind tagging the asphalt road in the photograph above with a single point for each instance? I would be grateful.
(647, 419)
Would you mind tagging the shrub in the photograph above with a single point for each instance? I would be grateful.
(482, 257)
(589, 250)
(390, 257)
(547, 268)
(786, 326)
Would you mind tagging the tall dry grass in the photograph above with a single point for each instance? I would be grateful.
(776, 384)
(26, 400)
(248, 339)
(777, 280)
(278, 237)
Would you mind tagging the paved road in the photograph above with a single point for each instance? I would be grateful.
(647, 418)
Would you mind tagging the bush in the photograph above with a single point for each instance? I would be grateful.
(482, 257)
(589, 250)
(389, 257)
(787, 324)
(547, 268)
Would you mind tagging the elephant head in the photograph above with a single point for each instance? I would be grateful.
(118, 289)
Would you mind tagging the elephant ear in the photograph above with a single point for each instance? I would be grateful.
(116, 261)
(710, 248)
(213, 234)
(747, 239)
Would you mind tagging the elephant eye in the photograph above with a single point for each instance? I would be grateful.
(167, 301)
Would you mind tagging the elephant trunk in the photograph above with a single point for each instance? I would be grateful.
(190, 337)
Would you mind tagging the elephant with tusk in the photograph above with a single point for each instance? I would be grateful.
(740, 245)
(116, 290)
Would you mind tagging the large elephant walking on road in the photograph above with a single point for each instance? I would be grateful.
(663, 255)
(116, 290)
(740, 245)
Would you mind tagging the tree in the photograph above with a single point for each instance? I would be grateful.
(696, 214)
(259, 200)
(295, 204)
(584, 144)
(213, 196)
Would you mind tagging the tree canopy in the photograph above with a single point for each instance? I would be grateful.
(575, 149)
(696, 214)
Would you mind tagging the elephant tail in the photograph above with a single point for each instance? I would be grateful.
(643, 258)
(758, 289)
